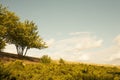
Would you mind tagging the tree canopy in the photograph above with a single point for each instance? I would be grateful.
(8, 20)
(24, 35)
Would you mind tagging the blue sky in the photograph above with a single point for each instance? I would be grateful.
(75, 30)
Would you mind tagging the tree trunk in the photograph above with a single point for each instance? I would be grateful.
(26, 51)
(20, 50)
(16, 48)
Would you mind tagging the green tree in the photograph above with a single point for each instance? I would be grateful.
(8, 20)
(2, 29)
(25, 36)
(2, 40)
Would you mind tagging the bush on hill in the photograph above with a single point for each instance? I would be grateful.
(53, 71)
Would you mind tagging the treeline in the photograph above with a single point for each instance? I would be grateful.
(46, 69)
(24, 35)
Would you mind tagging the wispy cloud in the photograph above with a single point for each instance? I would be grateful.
(79, 43)
(73, 47)
(79, 33)
(84, 57)
(117, 40)
(50, 42)
(115, 49)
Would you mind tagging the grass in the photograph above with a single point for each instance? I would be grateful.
(6, 57)
(16, 67)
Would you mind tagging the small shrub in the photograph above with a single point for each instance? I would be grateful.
(45, 59)
(61, 61)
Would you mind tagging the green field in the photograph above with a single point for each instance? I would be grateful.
(47, 69)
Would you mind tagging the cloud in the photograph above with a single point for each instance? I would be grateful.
(113, 51)
(10, 49)
(79, 33)
(84, 57)
(115, 56)
(80, 42)
(117, 40)
(50, 42)
(73, 47)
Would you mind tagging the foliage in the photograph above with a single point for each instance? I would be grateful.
(2, 29)
(2, 44)
(54, 71)
(23, 35)
(4, 73)
(8, 20)
(61, 61)
(45, 59)
(2, 37)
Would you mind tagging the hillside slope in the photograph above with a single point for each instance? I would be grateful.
(6, 57)
(15, 68)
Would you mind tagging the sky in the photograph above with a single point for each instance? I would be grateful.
(75, 30)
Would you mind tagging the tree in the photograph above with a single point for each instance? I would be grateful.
(25, 36)
(2, 29)
(7, 21)
(2, 40)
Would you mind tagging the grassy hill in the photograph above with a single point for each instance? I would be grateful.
(6, 57)
(13, 67)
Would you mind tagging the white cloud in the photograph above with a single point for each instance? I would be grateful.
(117, 39)
(84, 57)
(79, 43)
(115, 56)
(10, 48)
(113, 51)
(72, 47)
(79, 33)
(116, 49)
(50, 42)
